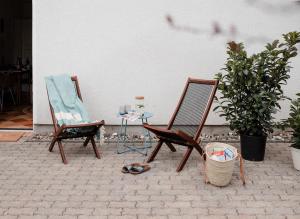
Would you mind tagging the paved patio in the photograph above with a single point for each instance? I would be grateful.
(35, 184)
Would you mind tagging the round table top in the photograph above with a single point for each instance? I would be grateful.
(145, 115)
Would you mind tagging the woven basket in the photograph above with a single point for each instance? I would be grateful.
(219, 173)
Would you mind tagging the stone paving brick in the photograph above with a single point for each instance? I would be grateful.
(241, 198)
(118, 192)
(251, 211)
(50, 211)
(74, 192)
(46, 192)
(32, 217)
(62, 217)
(270, 217)
(136, 211)
(217, 197)
(148, 192)
(222, 211)
(280, 211)
(291, 217)
(290, 197)
(162, 197)
(211, 217)
(188, 197)
(55, 198)
(10, 204)
(8, 217)
(122, 204)
(8, 197)
(103, 198)
(123, 217)
(165, 211)
(81, 197)
(107, 211)
(183, 192)
(150, 204)
(193, 211)
(65, 204)
(177, 204)
(258, 204)
(241, 216)
(38, 204)
(92, 217)
(21, 211)
(152, 217)
(136, 198)
(78, 211)
(19, 191)
(183, 217)
(205, 204)
(233, 204)
(94, 204)
(267, 197)
(97, 192)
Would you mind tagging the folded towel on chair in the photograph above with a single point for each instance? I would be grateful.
(67, 106)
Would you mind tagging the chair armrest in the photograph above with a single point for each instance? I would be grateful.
(155, 129)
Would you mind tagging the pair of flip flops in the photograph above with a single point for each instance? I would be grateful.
(135, 168)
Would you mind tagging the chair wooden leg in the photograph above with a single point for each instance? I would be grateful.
(95, 148)
(86, 141)
(62, 153)
(170, 145)
(199, 149)
(155, 151)
(184, 159)
(52, 144)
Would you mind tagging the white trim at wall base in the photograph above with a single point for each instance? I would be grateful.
(207, 129)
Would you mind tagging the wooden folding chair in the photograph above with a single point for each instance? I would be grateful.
(88, 130)
(188, 119)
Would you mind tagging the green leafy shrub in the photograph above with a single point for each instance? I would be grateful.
(294, 122)
(251, 86)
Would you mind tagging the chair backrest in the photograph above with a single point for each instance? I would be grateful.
(193, 107)
(76, 86)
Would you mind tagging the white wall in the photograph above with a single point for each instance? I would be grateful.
(120, 49)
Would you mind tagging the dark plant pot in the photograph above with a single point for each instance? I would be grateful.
(253, 147)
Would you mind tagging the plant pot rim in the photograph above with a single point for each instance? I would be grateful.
(255, 136)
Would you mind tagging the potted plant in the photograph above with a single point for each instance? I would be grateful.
(293, 122)
(250, 88)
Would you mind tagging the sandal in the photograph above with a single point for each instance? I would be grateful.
(126, 168)
(135, 168)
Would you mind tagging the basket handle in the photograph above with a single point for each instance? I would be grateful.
(204, 168)
(242, 175)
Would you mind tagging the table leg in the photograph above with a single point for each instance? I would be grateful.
(147, 134)
(120, 136)
(122, 140)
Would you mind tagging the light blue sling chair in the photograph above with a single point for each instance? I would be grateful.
(69, 116)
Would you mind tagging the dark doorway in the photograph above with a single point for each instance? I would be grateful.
(16, 64)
